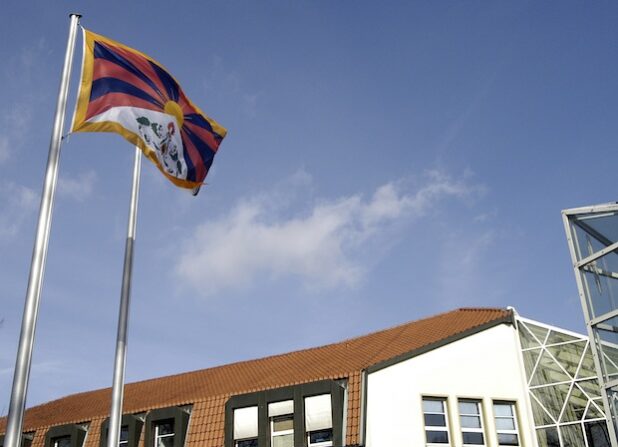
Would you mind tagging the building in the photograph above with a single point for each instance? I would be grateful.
(468, 377)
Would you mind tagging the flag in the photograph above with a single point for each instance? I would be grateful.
(125, 91)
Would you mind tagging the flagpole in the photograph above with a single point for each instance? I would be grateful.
(23, 361)
(123, 315)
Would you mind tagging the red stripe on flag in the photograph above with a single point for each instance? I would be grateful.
(142, 64)
(204, 135)
(184, 103)
(194, 155)
(111, 100)
(107, 69)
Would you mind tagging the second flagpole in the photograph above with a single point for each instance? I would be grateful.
(123, 313)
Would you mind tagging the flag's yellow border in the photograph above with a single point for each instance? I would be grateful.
(83, 98)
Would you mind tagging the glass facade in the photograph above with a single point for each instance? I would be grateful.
(564, 390)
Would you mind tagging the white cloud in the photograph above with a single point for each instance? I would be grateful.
(78, 188)
(16, 203)
(21, 74)
(322, 247)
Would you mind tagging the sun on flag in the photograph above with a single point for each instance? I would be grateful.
(125, 91)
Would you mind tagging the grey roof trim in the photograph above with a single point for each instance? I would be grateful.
(508, 319)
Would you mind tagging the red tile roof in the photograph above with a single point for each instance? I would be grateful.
(208, 389)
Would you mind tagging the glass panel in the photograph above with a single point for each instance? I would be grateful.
(165, 427)
(526, 338)
(507, 423)
(541, 417)
(283, 441)
(64, 441)
(166, 441)
(466, 407)
(473, 438)
(572, 435)
(508, 439)
(610, 363)
(608, 329)
(503, 409)
(594, 412)
(436, 437)
(568, 355)
(548, 372)
(124, 433)
(321, 436)
(530, 358)
(587, 368)
(539, 332)
(471, 421)
(435, 420)
(247, 443)
(602, 289)
(433, 406)
(597, 435)
(552, 397)
(590, 387)
(576, 406)
(560, 337)
(281, 424)
(548, 437)
(605, 224)
(612, 353)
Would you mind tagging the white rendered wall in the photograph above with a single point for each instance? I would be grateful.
(485, 366)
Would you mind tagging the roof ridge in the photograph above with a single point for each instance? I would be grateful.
(397, 329)
(477, 309)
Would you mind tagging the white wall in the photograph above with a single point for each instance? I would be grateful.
(485, 366)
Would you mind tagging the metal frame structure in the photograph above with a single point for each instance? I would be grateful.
(592, 235)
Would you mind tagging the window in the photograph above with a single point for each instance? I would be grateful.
(26, 439)
(70, 435)
(163, 433)
(166, 427)
(61, 441)
(246, 427)
(506, 423)
(281, 419)
(123, 441)
(309, 414)
(436, 427)
(130, 431)
(471, 422)
(247, 443)
(319, 421)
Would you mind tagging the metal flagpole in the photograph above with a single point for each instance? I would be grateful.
(123, 315)
(17, 404)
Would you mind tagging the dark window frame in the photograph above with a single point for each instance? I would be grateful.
(181, 423)
(28, 436)
(135, 425)
(297, 393)
(76, 432)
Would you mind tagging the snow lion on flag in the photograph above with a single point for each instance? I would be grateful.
(127, 92)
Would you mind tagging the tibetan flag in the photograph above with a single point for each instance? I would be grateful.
(127, 92)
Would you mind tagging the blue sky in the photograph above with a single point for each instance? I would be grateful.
(382, 165)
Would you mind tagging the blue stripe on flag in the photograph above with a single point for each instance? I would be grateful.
(206, 153)
(102, 52)
(199, 120)
(103, 86)
(190, 165)
(170, 85)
